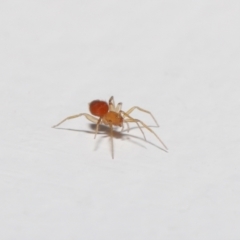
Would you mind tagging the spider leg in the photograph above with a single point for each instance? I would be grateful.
(123, 127)
(134, 120)
(88, 116)
(98, 123)
(111, 137)
(130, 119)
(128, 126)
(142, 110)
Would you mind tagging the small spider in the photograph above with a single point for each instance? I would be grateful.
(112, 115)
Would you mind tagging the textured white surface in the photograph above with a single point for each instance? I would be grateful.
(178, 59)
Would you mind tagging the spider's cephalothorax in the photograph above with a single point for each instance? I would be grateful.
(113, 118)
(112, 115)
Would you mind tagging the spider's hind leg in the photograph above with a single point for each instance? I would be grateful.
(97, 127)
(88, 116)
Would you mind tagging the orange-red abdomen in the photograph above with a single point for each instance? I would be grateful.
(98, 108)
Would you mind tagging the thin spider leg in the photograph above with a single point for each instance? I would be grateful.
(98, 123)
(130, 119)
(111, 137)
(88, 116)
(133, 120)
(128, 126)
(123, 126)
(142, 110)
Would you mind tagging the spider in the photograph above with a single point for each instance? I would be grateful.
(112, 115)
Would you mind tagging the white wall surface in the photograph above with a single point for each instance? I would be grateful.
(178, 59)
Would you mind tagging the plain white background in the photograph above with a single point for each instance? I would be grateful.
(178, 59)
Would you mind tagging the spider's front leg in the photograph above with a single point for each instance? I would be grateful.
(142, 110)
(130, 119)
(123, 126)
